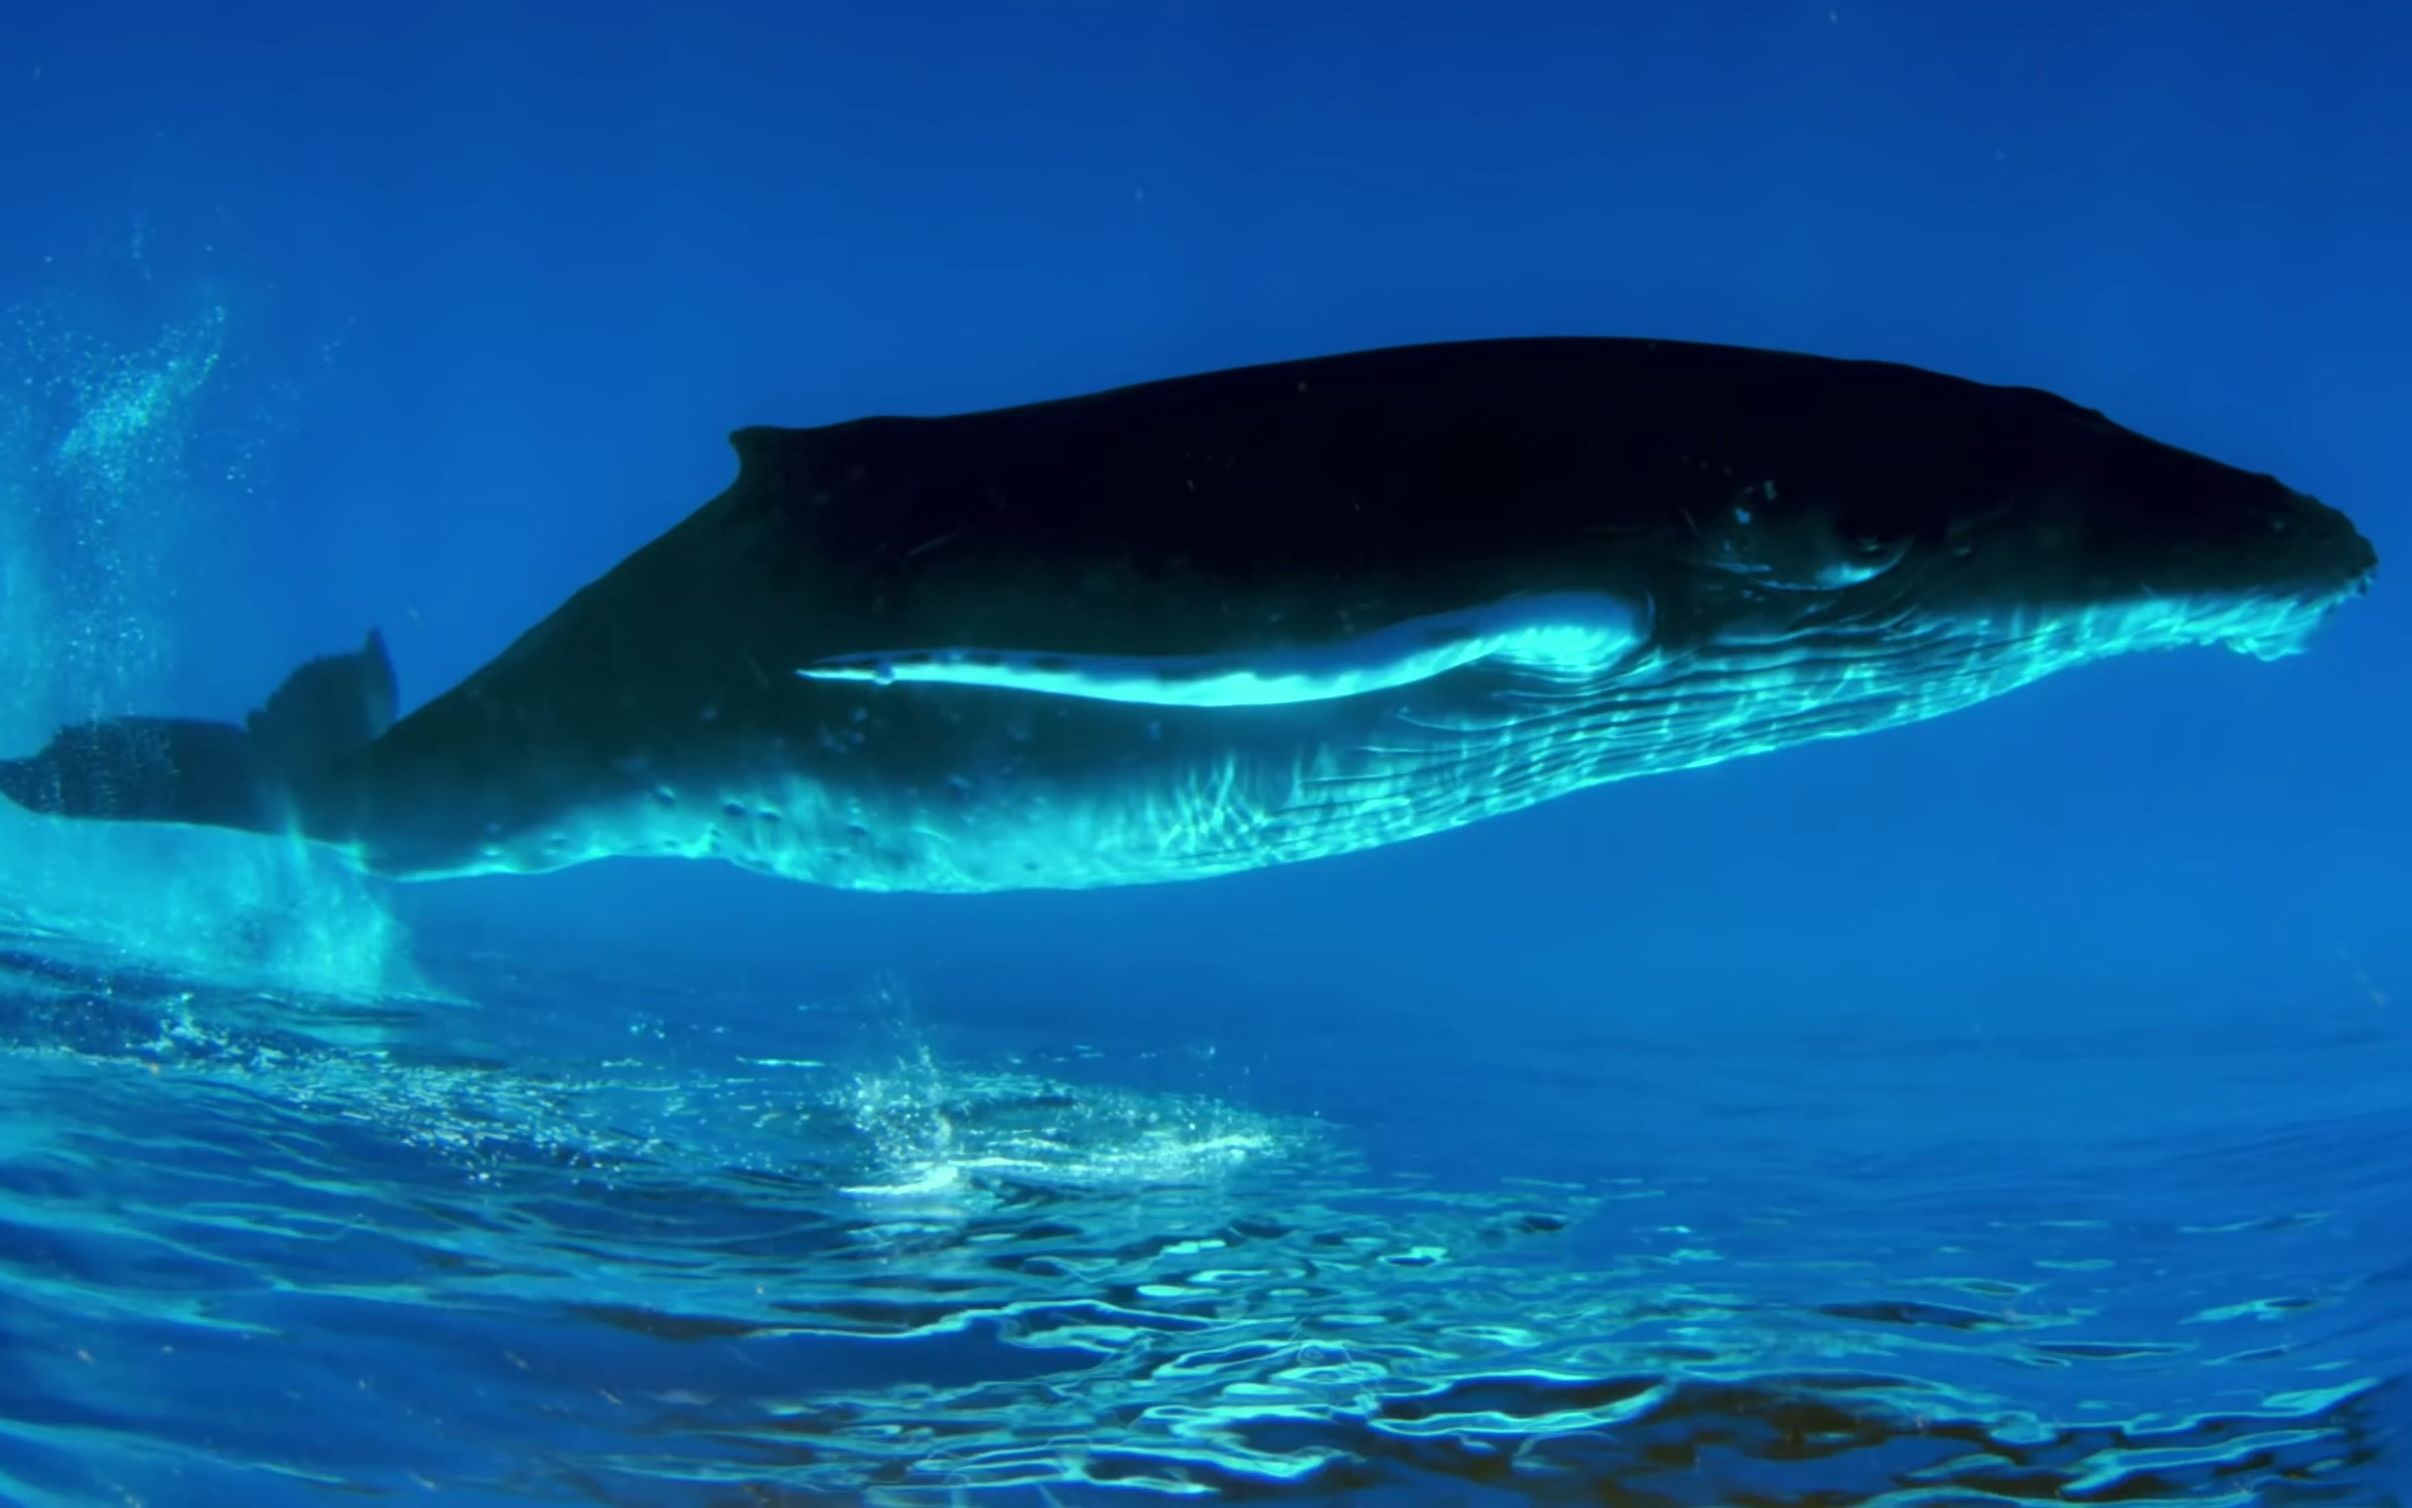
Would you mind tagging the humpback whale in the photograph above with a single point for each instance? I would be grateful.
(1261, 615)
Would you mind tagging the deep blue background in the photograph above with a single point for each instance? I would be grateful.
(497, 279)
(318, 316)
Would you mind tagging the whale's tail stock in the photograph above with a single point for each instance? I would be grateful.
(210, 774)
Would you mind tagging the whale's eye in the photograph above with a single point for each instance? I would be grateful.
(1809, 542)
(1859, 548)
(1867, 536)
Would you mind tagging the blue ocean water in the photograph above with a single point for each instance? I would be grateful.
(2007, 1109)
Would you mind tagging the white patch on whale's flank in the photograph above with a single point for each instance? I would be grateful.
(1567, 633)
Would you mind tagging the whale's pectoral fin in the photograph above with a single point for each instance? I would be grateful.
(1559, 634)
(162, 769)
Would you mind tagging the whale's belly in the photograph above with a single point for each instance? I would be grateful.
(951, 788)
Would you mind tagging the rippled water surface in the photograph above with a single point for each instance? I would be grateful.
(536, 1236)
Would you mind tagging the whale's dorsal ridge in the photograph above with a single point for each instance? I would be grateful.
(767, 453)
(801, 471)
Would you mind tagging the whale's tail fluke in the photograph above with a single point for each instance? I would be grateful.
(163, 769)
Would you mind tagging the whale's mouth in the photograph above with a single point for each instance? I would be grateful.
(1578, 635)
(2305, 560)
(2272, 625)
(2278, 636)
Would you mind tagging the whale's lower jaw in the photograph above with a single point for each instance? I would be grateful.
(1119, 795)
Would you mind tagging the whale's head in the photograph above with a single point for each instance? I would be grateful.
(2001, 517)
